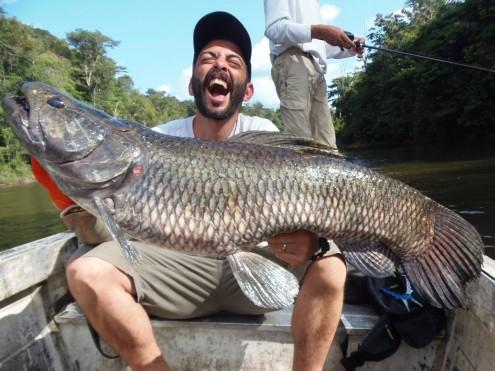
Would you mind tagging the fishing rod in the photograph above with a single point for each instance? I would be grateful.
(408, 54)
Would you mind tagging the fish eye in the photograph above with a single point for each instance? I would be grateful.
(56, 102)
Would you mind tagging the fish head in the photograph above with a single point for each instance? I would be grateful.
(82, 148)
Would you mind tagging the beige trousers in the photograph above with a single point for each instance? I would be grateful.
(302, 90)
(174, 285)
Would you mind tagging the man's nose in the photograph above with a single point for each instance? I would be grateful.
(220, 63)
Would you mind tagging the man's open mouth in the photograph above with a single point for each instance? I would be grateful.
(218, 83)
(218, 87)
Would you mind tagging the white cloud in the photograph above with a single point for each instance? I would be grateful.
(179, 88)
(183, 88)
(5, 2)
(166, 88)
(264, 92)
(183, 84)
(402, 12)
(342, 67)
(334, 70)
(260, 60)
(329, 12)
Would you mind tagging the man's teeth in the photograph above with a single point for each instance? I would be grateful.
(218, 82)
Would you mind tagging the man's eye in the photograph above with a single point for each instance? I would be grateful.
(235, 62)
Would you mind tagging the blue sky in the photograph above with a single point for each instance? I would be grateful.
(156, 35)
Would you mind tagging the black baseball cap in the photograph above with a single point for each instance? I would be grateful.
(222, 26)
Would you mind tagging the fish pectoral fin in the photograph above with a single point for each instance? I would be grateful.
(374, 259)
(283, 140)
(128, 250)
(264, 282)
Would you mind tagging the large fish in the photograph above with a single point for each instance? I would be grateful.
(219, 198)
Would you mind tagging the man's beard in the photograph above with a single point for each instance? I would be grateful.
(236, 97)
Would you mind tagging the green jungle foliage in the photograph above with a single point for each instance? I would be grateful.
(402, 100)
(80, 66)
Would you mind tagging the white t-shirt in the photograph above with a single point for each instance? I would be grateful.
(184, 127)
(288, 23)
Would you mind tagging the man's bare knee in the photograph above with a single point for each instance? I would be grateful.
(327, 275)
(92, 276)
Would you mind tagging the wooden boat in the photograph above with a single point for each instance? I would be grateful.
(41, 328)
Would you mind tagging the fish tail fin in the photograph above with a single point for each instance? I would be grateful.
(264, 282)
(454, 258)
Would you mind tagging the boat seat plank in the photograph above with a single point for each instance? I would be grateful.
(355, 319)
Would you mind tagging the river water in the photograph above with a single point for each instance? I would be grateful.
(462, 179)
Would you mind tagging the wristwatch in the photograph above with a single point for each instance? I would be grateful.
(324, 247)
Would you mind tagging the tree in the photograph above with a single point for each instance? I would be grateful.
(95, 68)
(404, 100)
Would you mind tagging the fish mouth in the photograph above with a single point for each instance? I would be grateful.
(22, 104)
(18, 112)
(17, 106)
(22, 116)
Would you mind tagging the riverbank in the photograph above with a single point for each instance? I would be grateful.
(18, 181)
(15, 176)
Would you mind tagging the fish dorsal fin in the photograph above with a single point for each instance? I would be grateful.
(283, 140)
(265, 283)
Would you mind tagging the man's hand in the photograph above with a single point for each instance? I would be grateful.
(295, 248)
(359, 51)
(331, 34)
(337, 37)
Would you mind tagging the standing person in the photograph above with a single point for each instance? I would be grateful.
(118, 298)
(300, 44)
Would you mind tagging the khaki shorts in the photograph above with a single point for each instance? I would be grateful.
(302, 90)
(174, 285)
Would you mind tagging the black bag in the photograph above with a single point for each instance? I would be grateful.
(404, 316)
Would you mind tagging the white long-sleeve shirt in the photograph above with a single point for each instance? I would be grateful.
(288, 23)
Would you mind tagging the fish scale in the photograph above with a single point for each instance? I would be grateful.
(222, 196)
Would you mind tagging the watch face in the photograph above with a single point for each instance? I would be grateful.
(324, 247)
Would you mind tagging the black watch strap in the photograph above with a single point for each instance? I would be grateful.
(324, 247)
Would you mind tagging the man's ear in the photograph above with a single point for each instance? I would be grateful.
(190, 88)
(249, 92)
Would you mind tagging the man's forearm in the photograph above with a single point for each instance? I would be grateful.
(331, 34)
